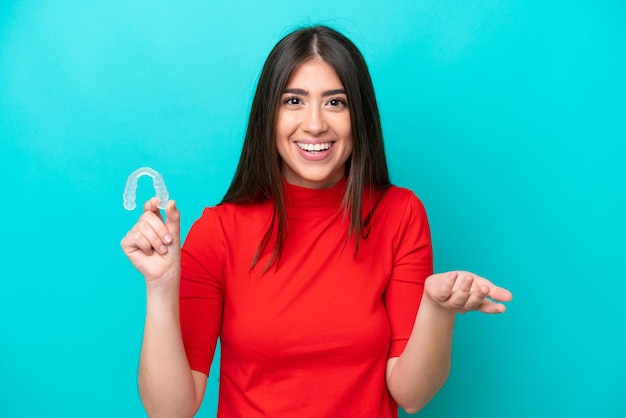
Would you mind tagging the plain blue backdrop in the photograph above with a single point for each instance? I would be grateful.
(507, 118)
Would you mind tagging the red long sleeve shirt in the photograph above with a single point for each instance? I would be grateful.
(311, 336)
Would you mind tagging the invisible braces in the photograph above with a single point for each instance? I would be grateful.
(130, 191)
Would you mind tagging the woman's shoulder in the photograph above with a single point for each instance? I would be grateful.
(227, 214)
(228, 221)
(395, 204)
(395, 197)
(401, 193)
(230, 208)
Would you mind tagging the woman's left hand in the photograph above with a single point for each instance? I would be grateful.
(462, 291)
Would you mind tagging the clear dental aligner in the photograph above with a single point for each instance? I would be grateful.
(130, 191)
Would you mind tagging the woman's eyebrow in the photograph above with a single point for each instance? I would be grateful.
(299, 92)
(302, 92)
(333, 92)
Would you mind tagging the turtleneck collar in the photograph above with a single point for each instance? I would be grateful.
(302, 202)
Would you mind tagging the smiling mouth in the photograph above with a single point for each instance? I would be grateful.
(324, 146)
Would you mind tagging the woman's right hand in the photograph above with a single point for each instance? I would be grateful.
(153, 246)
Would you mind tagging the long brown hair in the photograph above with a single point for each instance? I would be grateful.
(259, 176)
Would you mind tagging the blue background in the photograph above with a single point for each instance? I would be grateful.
(507, 118)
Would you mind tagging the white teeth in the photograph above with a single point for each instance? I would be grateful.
(314, 147)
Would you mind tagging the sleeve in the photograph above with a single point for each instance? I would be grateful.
(412, 264)
(201, 290)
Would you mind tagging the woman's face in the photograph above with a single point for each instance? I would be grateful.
(313, 130)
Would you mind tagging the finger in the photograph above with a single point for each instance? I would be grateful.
(444, 290)
(491, 307)
(142, 237)
(152, 205)
(500, 294)
(496, 292)
(480, 297)
(173, 221)
(476, 298)
(461, 293)
(136, 241)
(153, 228)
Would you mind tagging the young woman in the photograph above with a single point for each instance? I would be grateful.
(314, 272)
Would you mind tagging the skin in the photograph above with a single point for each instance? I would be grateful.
(312, 111)
(167, 385)
(422, 369)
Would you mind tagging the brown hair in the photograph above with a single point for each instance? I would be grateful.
(259, 177)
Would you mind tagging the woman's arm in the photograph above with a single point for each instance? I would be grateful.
(167, 385)
(421, 370)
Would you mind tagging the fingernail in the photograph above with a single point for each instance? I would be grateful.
(162, 249)
(168, 239)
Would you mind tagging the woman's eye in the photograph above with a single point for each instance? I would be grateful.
(292, 101)
(337, 103)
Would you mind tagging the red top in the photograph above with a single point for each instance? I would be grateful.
(311, 337)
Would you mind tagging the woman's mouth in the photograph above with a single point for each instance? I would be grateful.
(320, 147)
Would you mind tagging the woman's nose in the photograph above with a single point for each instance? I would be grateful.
(314, 122)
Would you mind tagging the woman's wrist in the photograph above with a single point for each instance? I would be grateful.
(432, 309)
(166, 286)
